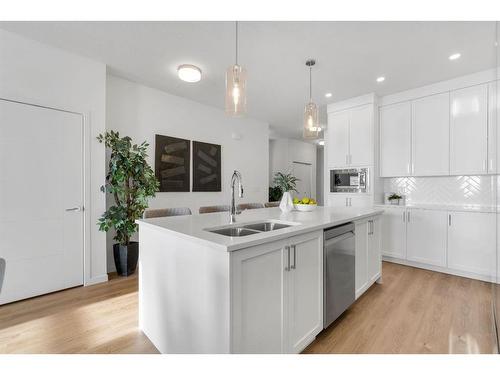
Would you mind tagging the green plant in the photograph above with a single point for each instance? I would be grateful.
(131, 181)
(286, 182)
(394, 196)
(275, 194)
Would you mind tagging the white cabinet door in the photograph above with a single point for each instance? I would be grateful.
(493, 133)
(359, 201)
(431, 135)
(305, 290)
(395, 140)
(394, 232)
(257, 291)
(469, 130)
(471, 242)
(337, 200)
(426, 236)
(361, 272)
(361, 136)
(337, 139)
(374, 259)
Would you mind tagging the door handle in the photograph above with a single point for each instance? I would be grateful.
(287, 267)
(76, 209)
(294, 247)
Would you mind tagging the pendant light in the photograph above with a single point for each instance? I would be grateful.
(236, 81)
(311, 126)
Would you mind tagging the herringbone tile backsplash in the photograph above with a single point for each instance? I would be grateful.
(474, 190)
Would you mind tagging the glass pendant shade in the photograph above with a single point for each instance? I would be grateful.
(311, 125)
(236, 96)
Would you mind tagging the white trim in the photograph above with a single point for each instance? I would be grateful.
(439, 87)
(96, 280)
(352, 102)
(449, 271)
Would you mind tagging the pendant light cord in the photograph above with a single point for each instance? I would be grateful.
(310, 84)
(236, 42)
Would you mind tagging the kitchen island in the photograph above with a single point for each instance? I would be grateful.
(209, 287)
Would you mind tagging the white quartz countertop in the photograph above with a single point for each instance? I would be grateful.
(193, 227)
(444, 207)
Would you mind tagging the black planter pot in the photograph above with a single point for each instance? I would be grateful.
(126, 257)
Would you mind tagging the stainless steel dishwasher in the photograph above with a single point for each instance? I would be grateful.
(339, 268)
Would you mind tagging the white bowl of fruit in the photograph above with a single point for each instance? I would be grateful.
(305, 204)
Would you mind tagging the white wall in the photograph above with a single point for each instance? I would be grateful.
(284, 151)
(35, 73)
(141, 112)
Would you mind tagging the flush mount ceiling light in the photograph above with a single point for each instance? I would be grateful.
(328, 95)
(454, 56)
(189, 73)
(236, 82)
(380, 79)
(311, 127)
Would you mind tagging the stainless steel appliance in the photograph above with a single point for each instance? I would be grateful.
(338, 271)
(354, 180)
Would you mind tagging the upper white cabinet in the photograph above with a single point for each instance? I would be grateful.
(395, 140)
(277, 294)
(469, 130)
(361, 136)
(337, 139)
(472, 242)
(493, 133)
(349, 137)
(426, 236)
(430, 135)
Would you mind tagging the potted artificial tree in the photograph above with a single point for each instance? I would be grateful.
(287, 183)
(131, 181)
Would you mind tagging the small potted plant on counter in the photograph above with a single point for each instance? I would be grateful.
(394, 199)
(131, 181)
(287, 183)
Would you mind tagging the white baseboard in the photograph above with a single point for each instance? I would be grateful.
(446, 270)
(96, 280)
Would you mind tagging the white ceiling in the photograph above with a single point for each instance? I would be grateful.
(349, 55)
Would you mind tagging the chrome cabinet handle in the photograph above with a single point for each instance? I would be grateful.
(294, 247)
(74, 209)
(287, 268)
(449, 220)
(408, 219)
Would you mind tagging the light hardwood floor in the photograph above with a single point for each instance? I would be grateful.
(413, 311)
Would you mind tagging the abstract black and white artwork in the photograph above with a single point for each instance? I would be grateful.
(206, 167)
(172, 163)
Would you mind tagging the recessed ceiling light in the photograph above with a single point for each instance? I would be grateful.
(189, 73)
(454, 56)
(380, 79)
(328, 95)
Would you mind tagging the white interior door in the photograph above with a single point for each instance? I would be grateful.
(41, 196)
(303, 172)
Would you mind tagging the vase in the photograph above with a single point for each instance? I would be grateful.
(286, 203)
(126, 257)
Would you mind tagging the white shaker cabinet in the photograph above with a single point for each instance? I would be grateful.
(394, 232)
(471, 243)
(368, 263)
(337, 139)
(349, 200)
(349, 137)
(395, 140)
(430, 135)
(277, 292)
(469, 130)
(361, 136)
(426, 236)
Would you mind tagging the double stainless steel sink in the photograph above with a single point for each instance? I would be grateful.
(251, 228)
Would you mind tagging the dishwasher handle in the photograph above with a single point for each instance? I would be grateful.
(342, 237)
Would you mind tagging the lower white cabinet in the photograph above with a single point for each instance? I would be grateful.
(472, 243)
(277, 295)
(368, 261)
(393, 232)
(456, 242)
(426, 236)
(349, 200)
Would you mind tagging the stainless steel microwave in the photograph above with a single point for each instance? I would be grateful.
(354, 180)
